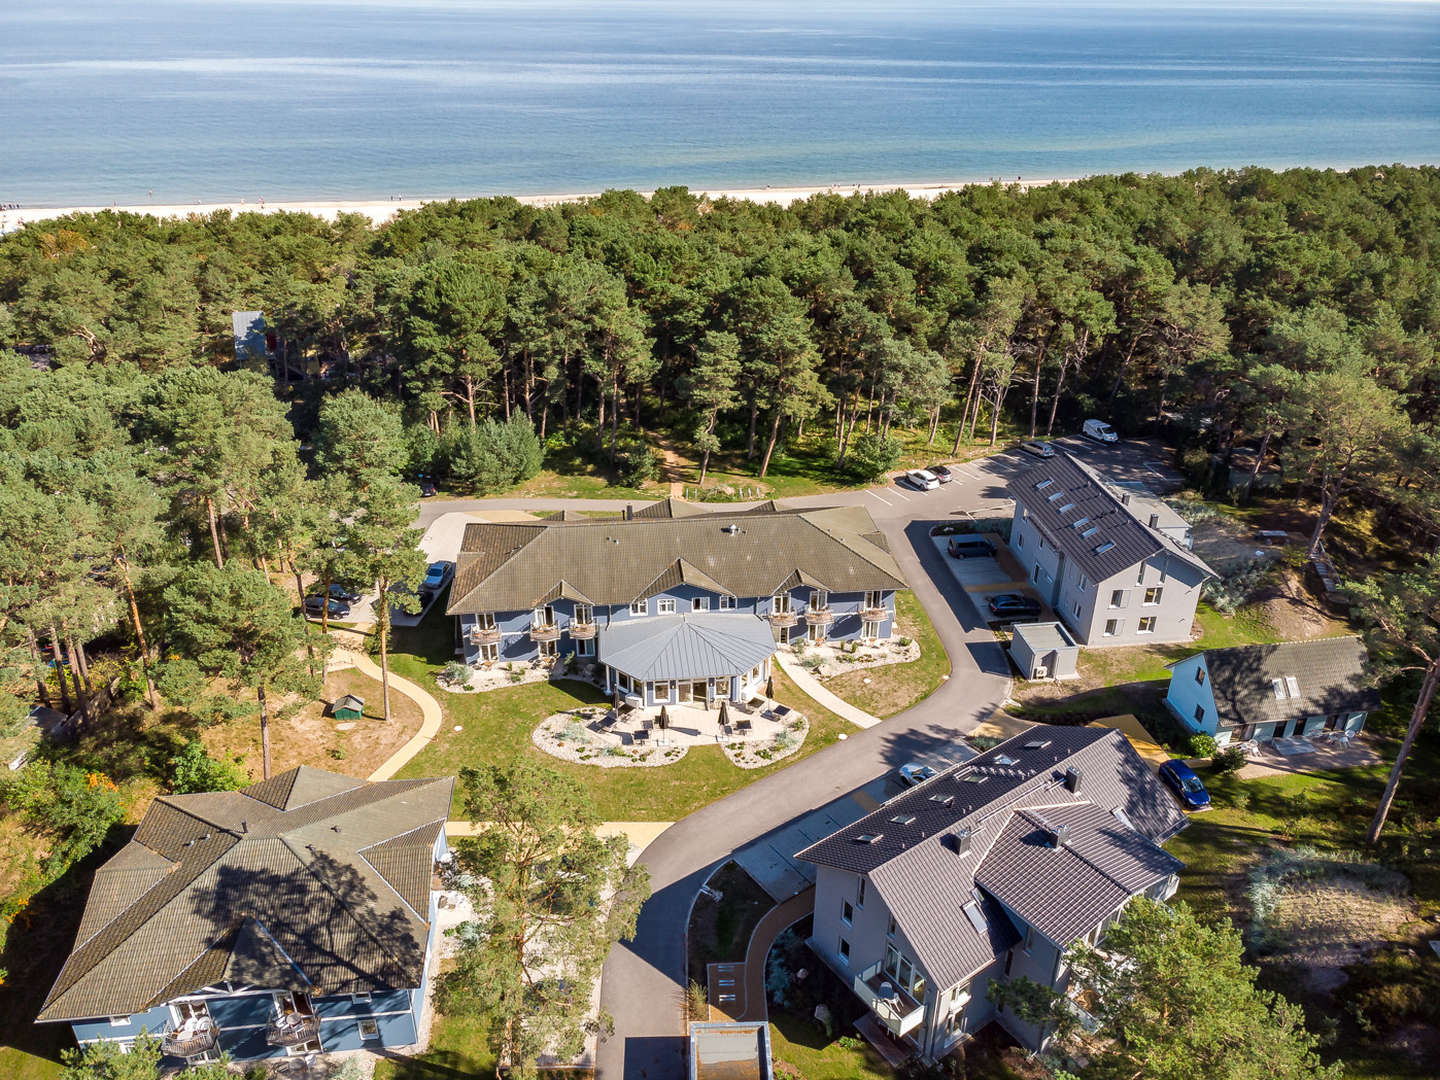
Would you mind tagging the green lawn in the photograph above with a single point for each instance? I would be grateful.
(457, 1049)
(802, 1043)
(496, 726)
(895, 687)
(1329, 810)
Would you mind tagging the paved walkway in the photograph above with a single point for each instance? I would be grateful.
(812, 686)
(431, 716)
(771, 925)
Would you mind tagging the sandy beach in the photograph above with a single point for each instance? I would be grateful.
(380, 210)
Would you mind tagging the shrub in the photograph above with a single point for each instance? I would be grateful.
(871, 456)
(635, 462)
(75, 808)
(1228, 760)
(494, 454)
(696, 1002)
(457, 673)
(1202, 746)
(193, 770)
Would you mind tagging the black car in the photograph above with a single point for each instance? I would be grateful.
(426, 486)
(1011, 605)
(970, 547)
(346, 594)
(942, 473)
(316, 606)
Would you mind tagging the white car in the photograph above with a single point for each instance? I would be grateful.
(1100, 431)
(922, 479)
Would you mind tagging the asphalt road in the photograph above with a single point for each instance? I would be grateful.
(643, 982)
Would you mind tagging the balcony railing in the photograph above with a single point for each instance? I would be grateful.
(582, 631)
(875, 614)
(191, 1038)
(783, 618)
(544, 632)
(819, 616)
(897, 1010)
(292, 1030)
(485, 635)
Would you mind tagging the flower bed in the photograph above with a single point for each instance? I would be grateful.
(458, 678)
(828, 660)
(756, 754)
(567, 736)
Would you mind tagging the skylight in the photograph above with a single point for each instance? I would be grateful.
(1080, 523)
(1091, 531)
(1124, 818)
(1292, 685)
(1106, 546)
(1054, 495)
(1278, 685)
(943, 800)
(976, 778)
(1043, 484)
(976, 916)
(903, 819)
(1037, 744)
(1005, 759)
(869, 838)
(1066, 508)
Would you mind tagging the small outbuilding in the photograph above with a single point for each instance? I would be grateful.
(348, 707)
(1044, 651)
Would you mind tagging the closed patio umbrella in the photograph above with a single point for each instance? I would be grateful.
(615, 697)
(664, 720)
(770, 687)
(724, 713)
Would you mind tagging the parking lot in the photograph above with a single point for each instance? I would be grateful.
(982, 577)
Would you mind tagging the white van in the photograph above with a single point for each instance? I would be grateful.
(1100, 431)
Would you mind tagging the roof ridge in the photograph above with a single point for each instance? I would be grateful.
(540, 528)
(805, 517)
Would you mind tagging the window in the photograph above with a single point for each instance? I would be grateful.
(700, 603)
(1076, 609)
(1035, 574)
(1020, 539)
(956, 1021)
(358, 998)
(847, 912)
(1029, 938)
(860, 892)
(1083, 583)
(1200, 675)
(585, 647)
(780, 603)
(623, 681)
(1009, 960)
(819, 599)
(548, 648)
(584, 613)
(1152, 596)
(1112, 627)
(890, 927)
(665, 605)
(874, 600)
(639, 607)
(844, 951)
(1117, 598)
(727, 603)
(1140, 575)
(1147, 625)
(485, 620)
(370, 1030)
(1199, 714)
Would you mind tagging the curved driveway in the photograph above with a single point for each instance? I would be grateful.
(643, 982)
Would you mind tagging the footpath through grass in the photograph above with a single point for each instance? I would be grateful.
(496, 726)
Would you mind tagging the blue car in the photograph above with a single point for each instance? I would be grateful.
(436, 574)
(1181, 779)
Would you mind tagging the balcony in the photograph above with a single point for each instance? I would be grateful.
(897, 1010)
(544, 632)
(484, 635)
(819, 616)
(582, 631)
(191, 1038)
(783, 618)
(875, 614)
(292, 1030)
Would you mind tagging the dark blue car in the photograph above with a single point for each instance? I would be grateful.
(1181, 779)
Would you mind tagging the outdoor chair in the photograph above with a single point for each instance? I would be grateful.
(641, 735)
(745, 725)
(781, 712)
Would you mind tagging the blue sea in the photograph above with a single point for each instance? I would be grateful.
(178, 100)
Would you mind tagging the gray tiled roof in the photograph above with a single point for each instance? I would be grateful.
(926, 883)
(1082, 502)
(701, 646)
(513, 567)
(220, 884)
(1330, 674)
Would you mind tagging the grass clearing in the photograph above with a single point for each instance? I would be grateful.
(496, 726)
(457, 1049)
(893, 688)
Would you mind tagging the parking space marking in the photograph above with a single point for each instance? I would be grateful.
(880, 497)
(901, 494)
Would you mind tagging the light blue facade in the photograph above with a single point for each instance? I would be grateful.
(242, 1015)
(506, 636)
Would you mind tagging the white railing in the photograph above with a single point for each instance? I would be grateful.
(900, 1013)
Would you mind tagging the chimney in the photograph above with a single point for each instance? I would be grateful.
(1073, 776)
(629, 511)
(1056, 835)
(959, 841)
(1125, 499)
(1154, 521)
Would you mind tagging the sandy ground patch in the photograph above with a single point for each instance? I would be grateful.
(1294, 611)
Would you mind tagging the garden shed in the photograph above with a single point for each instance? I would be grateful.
(1044, 651)
(348, 707)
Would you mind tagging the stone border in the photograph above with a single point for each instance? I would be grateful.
(747, 755)
(502, 676)
(550, 738)
(866, 656)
